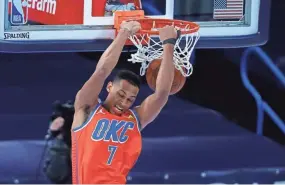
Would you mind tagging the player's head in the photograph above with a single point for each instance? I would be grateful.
(123, 91)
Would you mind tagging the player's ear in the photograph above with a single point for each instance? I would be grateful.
(109, 86)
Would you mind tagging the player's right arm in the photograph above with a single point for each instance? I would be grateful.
(153, 104)
(87, 96)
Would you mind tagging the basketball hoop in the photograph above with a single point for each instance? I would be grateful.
(150, 47)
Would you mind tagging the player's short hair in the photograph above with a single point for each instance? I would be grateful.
(129, 76)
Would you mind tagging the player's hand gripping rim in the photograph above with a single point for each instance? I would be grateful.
(131, 26)
(172, 40)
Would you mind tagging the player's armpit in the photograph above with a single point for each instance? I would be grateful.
(151, 107)
(81, 115)
(79, 118)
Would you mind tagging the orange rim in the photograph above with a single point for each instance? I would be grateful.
(147, 24)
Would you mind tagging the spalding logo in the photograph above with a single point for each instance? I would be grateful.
(16, 35)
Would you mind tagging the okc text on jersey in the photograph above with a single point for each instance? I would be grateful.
(112, 130)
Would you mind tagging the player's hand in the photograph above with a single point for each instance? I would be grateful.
(167, 32)
(56, 124)
(131, 26)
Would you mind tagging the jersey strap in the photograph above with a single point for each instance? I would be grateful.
(134, 112)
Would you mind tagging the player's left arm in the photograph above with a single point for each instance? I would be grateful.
(153, 104)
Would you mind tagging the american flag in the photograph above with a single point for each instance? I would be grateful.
(228, 9)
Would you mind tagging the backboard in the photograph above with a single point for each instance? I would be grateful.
(88, 25)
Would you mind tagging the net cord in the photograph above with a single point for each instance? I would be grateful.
(150, 49)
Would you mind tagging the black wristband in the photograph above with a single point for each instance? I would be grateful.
(172, 40)
(169, 41)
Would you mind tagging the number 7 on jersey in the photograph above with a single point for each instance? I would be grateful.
(112, 150)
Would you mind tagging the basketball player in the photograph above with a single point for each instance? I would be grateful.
(106, 139)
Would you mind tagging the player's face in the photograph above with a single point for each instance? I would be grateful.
(122, 96)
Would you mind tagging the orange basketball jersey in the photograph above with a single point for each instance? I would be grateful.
(105, 147)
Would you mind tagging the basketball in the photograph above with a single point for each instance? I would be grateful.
(152, 72)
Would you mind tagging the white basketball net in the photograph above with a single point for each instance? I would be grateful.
(153, 49)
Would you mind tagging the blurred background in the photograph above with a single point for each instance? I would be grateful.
(207, 133)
